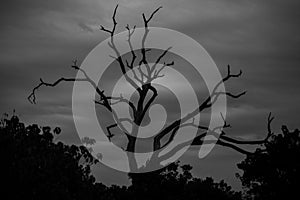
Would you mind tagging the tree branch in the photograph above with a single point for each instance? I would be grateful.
(118, 55)
(130, 33)
(143, 49)
(210, 100)
(32, 95)
(234, 147)
(159, 58)
(251, 142)
(121, 99)
(146, 21)
(148, 104)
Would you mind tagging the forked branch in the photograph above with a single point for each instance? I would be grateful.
(207, 103)
(32, 95)
(223, 140)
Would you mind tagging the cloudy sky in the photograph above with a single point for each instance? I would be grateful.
(262, 38)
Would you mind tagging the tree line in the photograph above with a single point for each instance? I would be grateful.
(34, 166)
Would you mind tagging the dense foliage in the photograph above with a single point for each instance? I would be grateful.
(177, 182)
(272, 172)
(35, 167)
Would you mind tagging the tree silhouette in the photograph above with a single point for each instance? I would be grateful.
(272, 172)
(144, 74)
(177, 182)
(35, 167)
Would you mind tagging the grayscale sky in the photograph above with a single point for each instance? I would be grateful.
(261, 37)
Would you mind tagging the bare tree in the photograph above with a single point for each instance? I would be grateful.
(145, 78)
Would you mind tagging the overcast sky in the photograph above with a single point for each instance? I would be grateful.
(261, 37)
